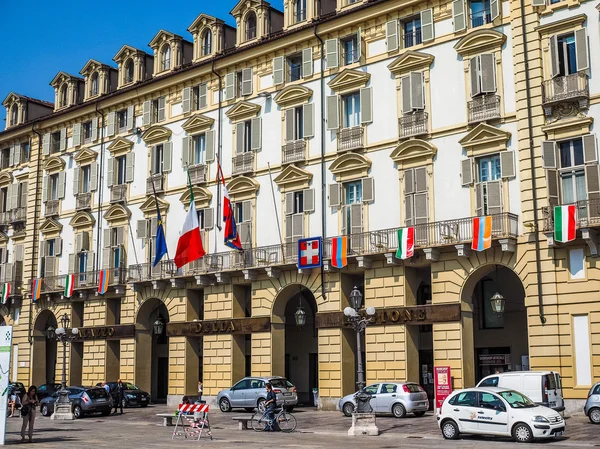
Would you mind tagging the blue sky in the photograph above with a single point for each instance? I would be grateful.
(39, 47)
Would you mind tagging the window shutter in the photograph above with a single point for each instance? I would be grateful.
(297, 226)
(308, 197)
(229, 86)
(494, 197)
(494, 9)
(308, 120)
(18, 150)
(15, 197)
(427, 30)
(167, 156)
(409, 181)
(592, 180)
(202, 96)
(130, 118)
(417, 96)
(19, 253)
(581, 50)
(288, 229)
(366, 105)
(120, 235)
(554, 60)
(76, 180)
(90, 261)
(391, 35)
(153, 226)
(58, 244)
(9, 192)
(45, 190)
(209, 218)
(110, 124)
(85, 241)
(289, 124)
(49, 266)
(153, 160)
(129, 166)
(161, 109)
(474, 74)
(368, 190)
(358, 44)
(307, 62)
(247, 82)
(335, 194)
(333, 112)
(420, 179)
(106, 240)
(289, 203)
(507, 164)
(186, 102)
(331, 53)
(62, 178)
(23, 194)
(239, 137)
(488, 72)
(72, 263)
(142, 229)
(11, 156)
(552, 183)
(590, 154)
(421, 209)
(406, 94)
(63, 139)
(245, 232)
(94, 177)
(479, 199)
(458, 15)
(549, 154)
(256, 129)
(147, 113)
(356, 219)
(46, 144)
(278, 73)
(110, 164)
(76, 134)
(94, 128)
(408, 210)
(538, 2)
(467, 171)
(186, 149)
(247, 210)
(106, 256)
(210, 146)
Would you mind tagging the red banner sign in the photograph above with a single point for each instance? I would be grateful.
(443, 384)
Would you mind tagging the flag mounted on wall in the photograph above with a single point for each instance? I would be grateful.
(5, 292)
(189, 245)
(564, 223)
(69, 285)
(231, 236)
(339, 252)
(103, 281)
(406, 243)
(36, 289)
(310, 252)
(482, 233)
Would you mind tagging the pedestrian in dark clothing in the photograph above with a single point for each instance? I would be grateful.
(29, 404)
(270, 404)
(118, 396)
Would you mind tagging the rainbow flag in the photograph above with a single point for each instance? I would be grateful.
(482, 233)
(5, 292)
(36, 289)
(103, 281)
(339, 252)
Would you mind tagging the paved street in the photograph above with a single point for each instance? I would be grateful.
(141, 428)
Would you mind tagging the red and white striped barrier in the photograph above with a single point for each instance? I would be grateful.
(189, 408)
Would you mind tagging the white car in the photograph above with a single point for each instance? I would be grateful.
(499, 412)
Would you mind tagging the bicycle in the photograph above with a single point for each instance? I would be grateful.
(285, 421)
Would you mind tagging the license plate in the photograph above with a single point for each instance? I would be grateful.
(558, 434)
(101, 400)
(143, 399)
(287, 394)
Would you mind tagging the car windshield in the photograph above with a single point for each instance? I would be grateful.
(280, 383)
(516, 399)
(413, 388)
(131, 387)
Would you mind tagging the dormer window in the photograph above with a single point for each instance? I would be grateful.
(63, 95)
(165, 57)
(250, 26)
(207, 43)
(300, 11)
(14, 115)
(129, 71)
(94, 84)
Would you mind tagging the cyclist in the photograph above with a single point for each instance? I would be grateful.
(270, 404)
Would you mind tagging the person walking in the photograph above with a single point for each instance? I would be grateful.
(199, 390)
(270, 404)
(118, 396)
(29, 402)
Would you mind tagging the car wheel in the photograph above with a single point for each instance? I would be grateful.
(348, 408)
(106, 413)
(450, 430)
(45, 411)
(77, 412)
(225, 405)
(144, 405)
(260, 404)
(522, 433)
(398, 411)
(594, 416)
(123, 403)
(419, 414)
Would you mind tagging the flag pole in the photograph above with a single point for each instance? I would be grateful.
(276, 214)
(219, 205)
(159, 215)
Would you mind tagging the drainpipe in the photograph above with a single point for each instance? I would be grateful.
(538, 264)
(99, 188)
(323, 171)
(35, 226)
(219, 145)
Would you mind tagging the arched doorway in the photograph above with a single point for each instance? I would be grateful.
(499, 341)
(295, 348)
(44, 349)
(152, 349)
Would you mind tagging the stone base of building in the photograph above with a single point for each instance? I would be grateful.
(363, 424)
(574, 406)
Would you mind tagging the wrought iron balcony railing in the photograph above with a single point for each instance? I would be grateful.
(12, 273)
(159, 183)
(118, 193)
(569, 88)
(83, 280)
(294, 151)
(18, 215)
(52, 208)
(350, 139)
(83, 201)
(413, 124)
(413, 38)
(483, 108)
(197, 173)
(243, 163)
(480, 18)
(587, 213)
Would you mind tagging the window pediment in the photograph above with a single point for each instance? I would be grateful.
(156, 134)
(202, 197)
(564, 129)
(120, 146)
(85, 156)
(484, 138)
(293, 178)
(117, 212)
(410, 61)
(61, 77)
(413, 150)
(349, 79)
(198, 123)
(126, 51)
(480, 41)
(161, 37)
(243, 110)
(91, 66)
(82, 220)
(350, 166)
(293, 95)
(51, 226)
(562, 25)
(245, 5)
(202, 21)
(10, 99)
(242, 186)
(54, 164)
(5, 179)
(148, 207)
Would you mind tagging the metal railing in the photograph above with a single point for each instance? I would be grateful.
(52, 208)
(481, 18)
(159, 183)
(587, 213)
(83, 280)
(118, 193)
(18, 215)
(294, 151)
(413, 124)
(573, 87)
(350, 138)
(483, 108)
(350, 57)
(250, 33)
(299, 15)
(412, 39)
(243, 163)
(83, 201)
(197, 173)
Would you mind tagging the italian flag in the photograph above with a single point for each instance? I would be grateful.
(5, 292)
(189, 245)
(69, 285)
(564, 223)
(406, 243)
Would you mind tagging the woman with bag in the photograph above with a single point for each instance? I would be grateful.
(28, 406)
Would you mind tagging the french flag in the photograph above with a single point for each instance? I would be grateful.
(231, 236)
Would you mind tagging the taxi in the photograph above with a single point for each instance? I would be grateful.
(498, 412)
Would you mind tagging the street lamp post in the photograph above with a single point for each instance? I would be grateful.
(62, 408)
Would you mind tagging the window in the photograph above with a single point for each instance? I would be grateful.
(115, 239)
(3, 199)
(352, 214)
(351, 110)
(121, 167)
(165, 57)
(157, 159)
(198, 149)
(82, 263)
(63, 95)
(300, 11)
(56, 142)
(482, 73)
(572, 174)
(245, 140)
(157, 110)
(295, 67)
(416, 209)
(14, 115)
(53, 179)
(94, 84)
(488, 188)
(129, 67)
(577, 263)
(350, 50)
(298, 201)
(466, 399)
(51, 247)
(238, 212)
(25, 152)
(491, 401)
(294, 124)
(199, 96)
(250, 26)
(567, 55)
(490, 382)
(87, 131)
(5, 157)
(391, 388)
(207, 43)
(481, 13)
(372, 389)
(84, 186)
(239, 84)
(411, 29)
(122, 120)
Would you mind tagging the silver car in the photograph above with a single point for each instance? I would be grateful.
(250, 393)
(397, 398)
(592, 405)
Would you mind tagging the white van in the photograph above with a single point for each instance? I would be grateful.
(542, 387)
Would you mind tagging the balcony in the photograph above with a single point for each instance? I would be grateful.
(18, 215)
(5, 218)
(12, 273)
(572, 88)
(350, 139)
(483, 108)
(52, 208)
(197, 173)
(414, 124)
(159, 180)
(83, 281)
(118, 193)
(480, 18)
(294, 152)
(243, 163)
(587, 214)
(413, 38)
(83, 201)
